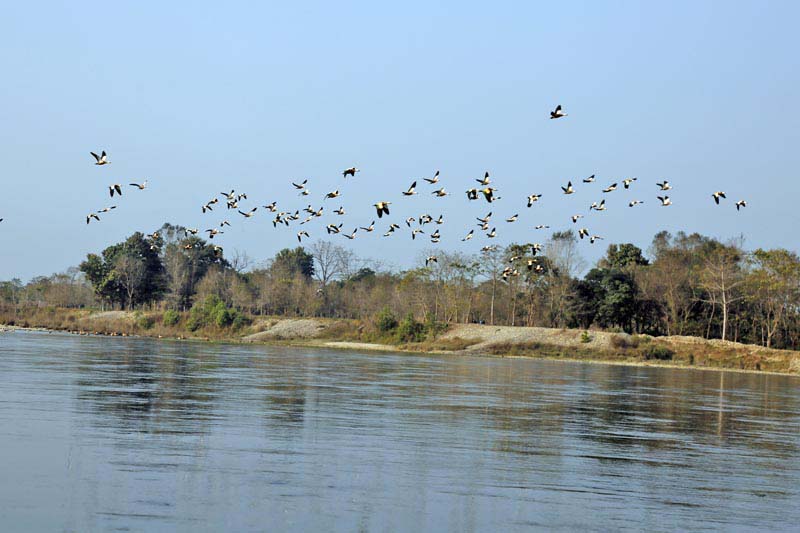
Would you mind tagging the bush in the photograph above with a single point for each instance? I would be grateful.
(240, 321)
(386, 321)
(409, 330)
(145, 321)
(657, 352)
(585, 337)
(432, 327)
(170, 318)
(212, 311)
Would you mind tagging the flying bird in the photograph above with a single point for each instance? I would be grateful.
(441, 192)
(116, 188)
(249, 213)
(300, 186)
(101, 159)
(665, 201)
(612, 187)
(512, 218)
(557, 113)
(369, 228)
(352, 235)
(411, 191)
(485, 180)
(568, 189)
(472, 194)
(488, 193)
(141, 186)
(739, 204)
(107, 209)
(469, 235)
(434, 179)
(627, 182)
(350, 172)
(583, 232)
(339, 211)
(333, 194)
(664, 185)
(301, 234)
(431, 259)
(89, 217)
(542, 226)
(717, 195)
(382, 207)
(533, 198)
(634, 203)
(590, 179)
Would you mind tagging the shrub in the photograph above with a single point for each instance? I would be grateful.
(656, 351)
(145, 321)
(386, 321)
(585, 337)
(409, 330)
(432, 327)
(240, 321)
(170, 318)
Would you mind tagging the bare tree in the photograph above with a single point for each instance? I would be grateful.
(130, 271)
(721, 277)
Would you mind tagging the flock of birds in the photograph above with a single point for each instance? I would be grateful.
(415, 225)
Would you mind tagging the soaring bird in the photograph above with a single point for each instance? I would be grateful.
(431, 259)
(568, 189)
(583, 232)
(411, 191)
(382, 207)
(91, 216)
(598, 207)
(665, 201)
(541, 226)
(301, 234)
(224, 223)
(249, 213)
(440, 220)
(141, 186)
(441, 192)
(271, 207)
(492, 234)
(434, 179)
(190, 231)
(350, 172)
(612, 187)
(484, 220)
(533, 198)
(107, 209)
(305, 192)
(469, 235)
(512, 218)
(339, 211)
(425, 219)
(590, 179)
(369, 228)
(634, 202)
(213, 231)
(352, 235)
(414, 233)
(557, 113)
(575, 218)
(410, 220)
(594, 238)
(717, 195)
(485, 180)
(300, 186)
(331, 228)
(741, 203)
(664, 185)
(115, 188)
(627, 182)
(488, 193)
(436, 234)
(102, 159)
(217, 251)
(333, 194)
(472, 194)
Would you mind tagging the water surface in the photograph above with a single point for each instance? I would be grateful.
(144, 435)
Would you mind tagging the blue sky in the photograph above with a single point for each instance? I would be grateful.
(202, 97)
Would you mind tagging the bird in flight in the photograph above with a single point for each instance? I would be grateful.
(469, 235)
(533, 198)
(301, 234)
(542, 226)
(300, 186)
(612, 187)
(116, 188)
(439, 193)
(665, 201)
(472, 194)
(248, 214)
(411, 191)
(568, 189)
(369, 228)
(590, 179)
(583, 232)
(717, 195)
(350, 172)
(339, 211)
(485, 180)
(739, 204)
(488, 193)
(557, 112)
(107, 209)
(141, 186)
(431, 259)
(598, 207)
(512, 218)
(101, 159)
(664, 185)
(434, 179)
(627, 182)
(575, 218)
(352, 235)
(382, 207)
(333, 194)
(634, 203)
(91, 216)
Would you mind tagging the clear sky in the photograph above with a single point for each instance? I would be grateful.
(202, 97)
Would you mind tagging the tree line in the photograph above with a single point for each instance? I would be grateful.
(686, 284)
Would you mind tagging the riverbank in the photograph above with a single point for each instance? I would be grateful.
(473, 339)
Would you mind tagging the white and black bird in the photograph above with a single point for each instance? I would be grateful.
(415, 232)
(350, 172)
(590, 179)
(627, 182)
(575, 218)
(717, 195)
(633, 203)
(141, 186)
(431, 259)
(411, 191)
(107, 209)
(382, 207)
(468, 236)
(101, 159)
(557, 112)
(333, 194)
(91, 216)
(370, 228)
(352, 235)
(116, 188)
(332, 228)
(472, 194)
(598, 207)
(248, 214)
(271, 207)
(513, 218)
(224, 223)
(612, 187)
(485, 180)
(594, 238)
(533, 198)
(300, 186)
(410, 220)
(541, 226)
(492, 234)
(665, 201)
(568, 189)
(740, 204)
(664, 185)
(434, 179)
(583, 232)
(301, 234)
(339, 211)
(488, 193)
(440, 192)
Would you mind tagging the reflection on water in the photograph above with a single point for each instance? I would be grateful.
(104, 434)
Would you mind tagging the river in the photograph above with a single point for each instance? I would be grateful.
(103, 434)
